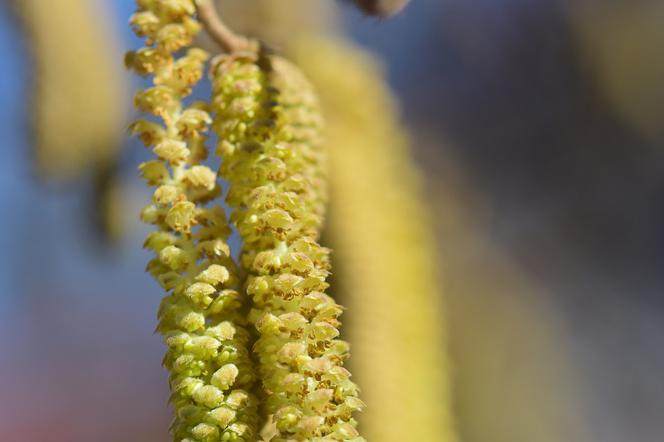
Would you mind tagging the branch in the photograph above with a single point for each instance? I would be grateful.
(219, 32)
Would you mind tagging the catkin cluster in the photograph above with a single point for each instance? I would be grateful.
(200, 318)
(268, 122)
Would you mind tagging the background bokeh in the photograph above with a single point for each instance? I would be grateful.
(539, 125)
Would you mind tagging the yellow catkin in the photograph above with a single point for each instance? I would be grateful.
(268, 123)
(200, 319)
(78, 88)
(384, 249)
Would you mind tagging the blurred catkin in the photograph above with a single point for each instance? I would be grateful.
(268, 122)
(384, 249)
(200, 319)
(78, 88)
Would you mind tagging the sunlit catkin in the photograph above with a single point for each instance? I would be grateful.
(384, 249)
(268, 122)
(207, 356)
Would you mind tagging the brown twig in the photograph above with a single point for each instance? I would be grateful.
(230, 41)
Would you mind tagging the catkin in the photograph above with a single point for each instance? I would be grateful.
(384, 247)
(268, 123)
(200, 319)
(77, 103)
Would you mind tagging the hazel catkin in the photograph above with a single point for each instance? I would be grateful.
(200, 319)
(269, 123)
(378, 225)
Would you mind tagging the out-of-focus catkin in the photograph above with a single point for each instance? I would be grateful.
(77, 106)
(384, 249)
(268, 123)
(208, 358)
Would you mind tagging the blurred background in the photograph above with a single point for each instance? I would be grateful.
(539, 126)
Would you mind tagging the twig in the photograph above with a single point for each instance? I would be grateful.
(219, 32)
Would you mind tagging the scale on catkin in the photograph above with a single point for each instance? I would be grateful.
(200, 319)
(268, 122)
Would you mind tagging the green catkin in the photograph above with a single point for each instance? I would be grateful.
(269, 124)
(207, 357)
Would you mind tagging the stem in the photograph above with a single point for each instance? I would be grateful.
(218, 31)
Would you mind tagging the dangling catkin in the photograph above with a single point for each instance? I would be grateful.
(77, 104)
(269, 123)
(200, 319)
(384, 248)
